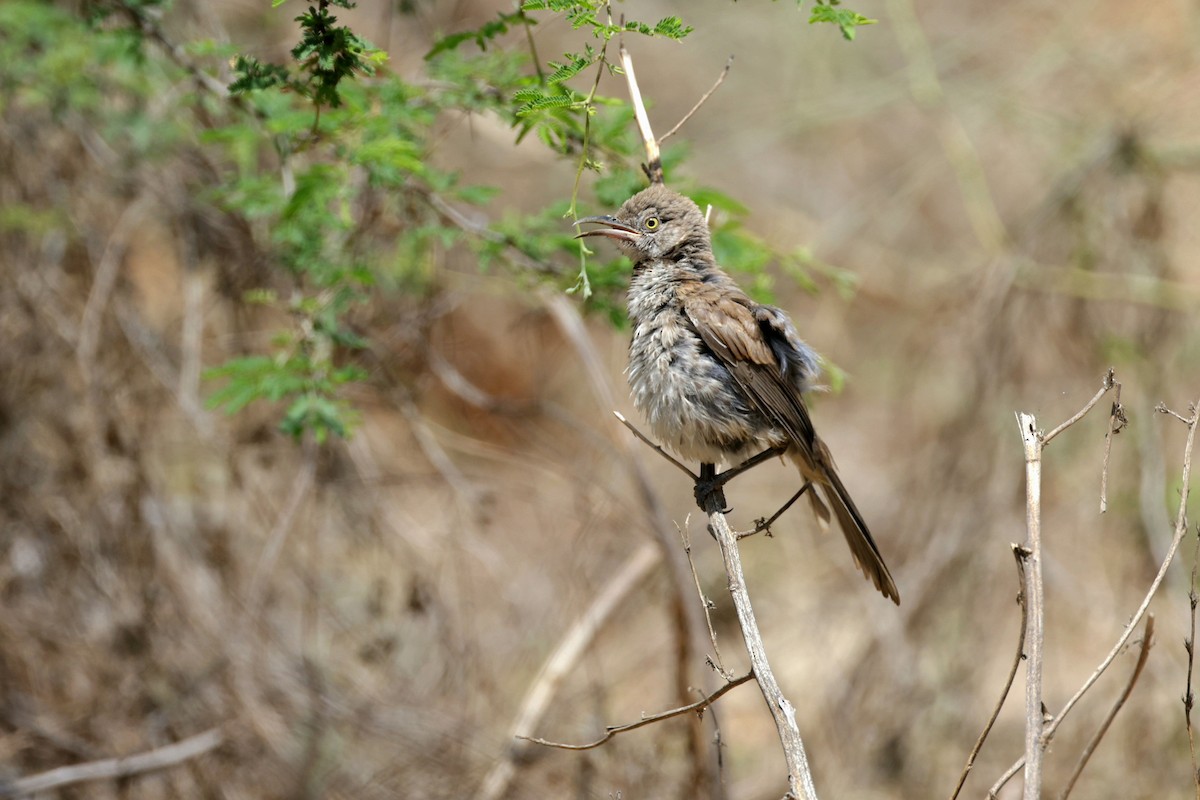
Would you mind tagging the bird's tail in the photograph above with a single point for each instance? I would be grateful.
(818, 470)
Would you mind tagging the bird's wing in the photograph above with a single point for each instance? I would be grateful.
(760, 348)
(748, 339)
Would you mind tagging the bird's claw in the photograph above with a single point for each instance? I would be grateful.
(710, 495)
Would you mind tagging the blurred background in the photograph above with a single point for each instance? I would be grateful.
(1012, 187)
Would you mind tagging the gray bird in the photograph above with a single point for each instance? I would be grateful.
(718, 376)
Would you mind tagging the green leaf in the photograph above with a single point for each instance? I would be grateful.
(845, 19)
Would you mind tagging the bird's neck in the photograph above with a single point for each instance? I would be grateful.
(688, 261)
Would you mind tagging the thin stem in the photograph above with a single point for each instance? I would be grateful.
(1143, 654)
(1019, 556)
(700, 102)
(1108, 384)
(533, 53)
(1116, 423)
(1189, 644)
(1034, 598)
(613, 730)
(653, 446)
(116, 768)
(705, 603)
(761, 525)
(587, 133)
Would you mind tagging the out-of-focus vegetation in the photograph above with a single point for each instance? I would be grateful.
(345, 231)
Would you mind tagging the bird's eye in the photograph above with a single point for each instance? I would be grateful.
(652, 224)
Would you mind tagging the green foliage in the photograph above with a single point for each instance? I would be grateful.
(326, 55)
(330, 161)
(831, 11)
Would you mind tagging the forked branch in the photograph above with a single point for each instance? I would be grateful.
(1135, 620)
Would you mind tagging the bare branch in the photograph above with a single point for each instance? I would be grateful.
(1116, 423)
(763, 524)
(1123, 639)
(1161, 408)
(800, 783)
(695, 108)
(613, 730)
(705, 603)
(1189, 644)
(633, 429)
(1143, 654)
(1108, 384)
(654, 168)
(1034, 599)
(1019, 556)
(113, 768)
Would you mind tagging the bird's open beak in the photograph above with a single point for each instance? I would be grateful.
(611, 227)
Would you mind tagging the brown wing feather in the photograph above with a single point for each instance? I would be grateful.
(726, 321)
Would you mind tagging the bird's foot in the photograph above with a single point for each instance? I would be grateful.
(710, 489)
(710, 485)
(710, 496)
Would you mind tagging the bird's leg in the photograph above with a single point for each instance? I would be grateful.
(710, 494)
(711, 483)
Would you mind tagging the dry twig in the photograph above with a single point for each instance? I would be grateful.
(1189, 644)
(653, 166)
(1019, 555)
(1116, 423)
(703, 99)
(613, 730)
(114, 768)
(1035, 720)
(1034, 600)
(646, 440)
(1123, 639)
(1143, 654)
(718, 664)
(800, 783)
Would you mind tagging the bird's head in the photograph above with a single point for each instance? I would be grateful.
(655, 223)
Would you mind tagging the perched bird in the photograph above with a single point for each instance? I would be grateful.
(718, 376)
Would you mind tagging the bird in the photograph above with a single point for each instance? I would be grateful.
(718, 376)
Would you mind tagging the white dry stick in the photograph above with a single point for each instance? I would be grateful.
(800, 783)
(1031, 438)
(653, 154)
(114, 768)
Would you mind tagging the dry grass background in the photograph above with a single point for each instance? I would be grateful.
(1015, 185)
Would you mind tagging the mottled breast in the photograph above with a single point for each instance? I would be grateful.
(690, 400)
